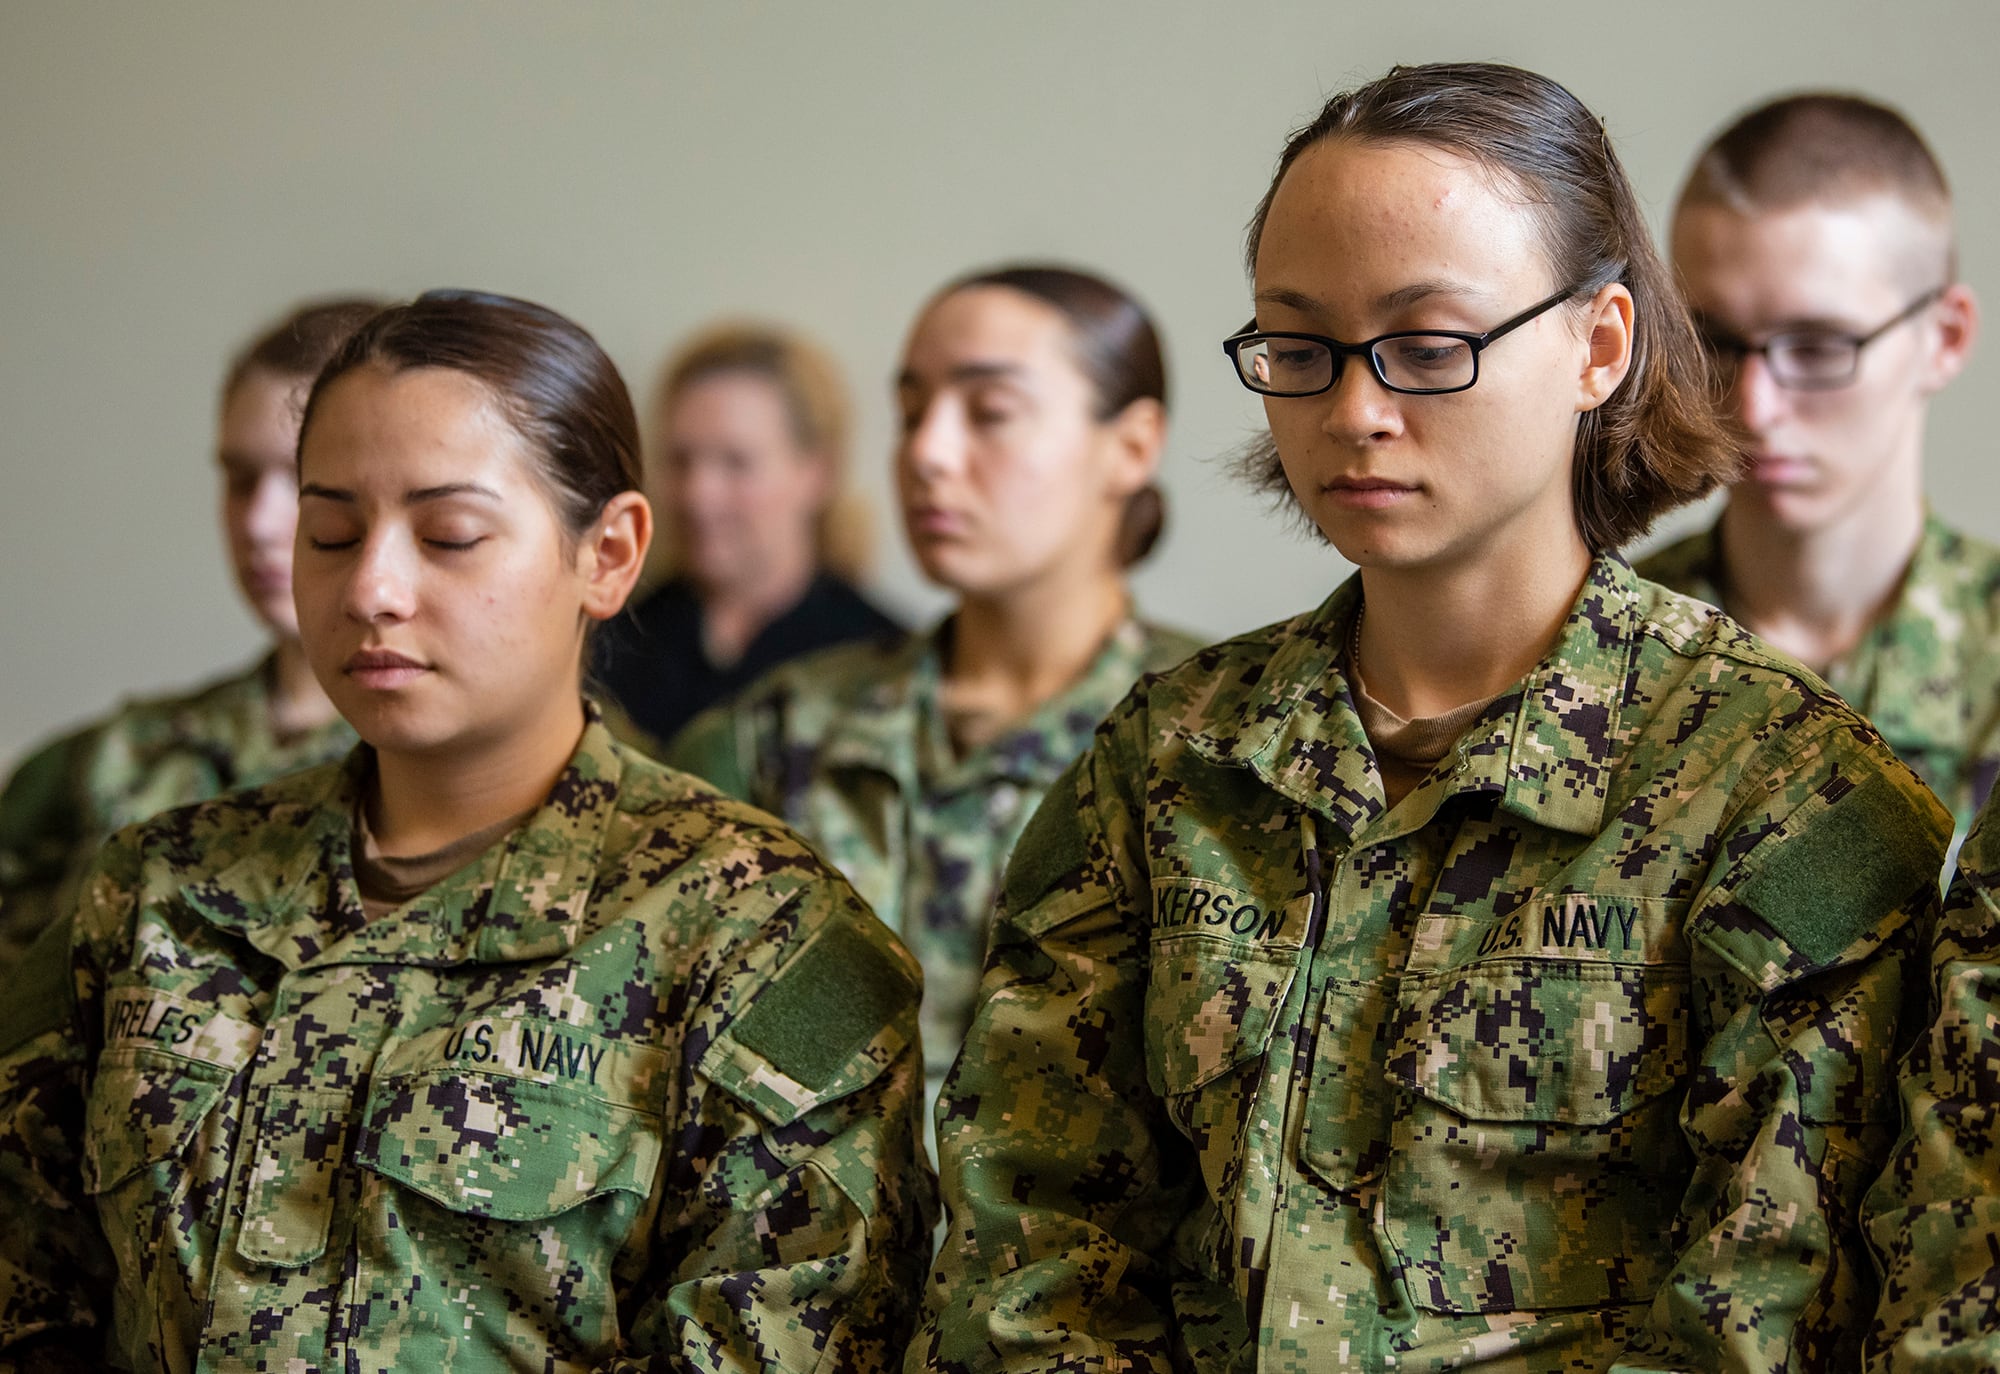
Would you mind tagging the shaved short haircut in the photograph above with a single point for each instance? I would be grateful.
(1818, 147)
(1822, 148)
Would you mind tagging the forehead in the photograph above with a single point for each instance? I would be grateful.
(984, 325)
(1353, 219)
(1809, 261)
(421, 424)
(262, 411)
(737, 396)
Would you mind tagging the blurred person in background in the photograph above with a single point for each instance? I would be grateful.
(247, 728)
(1034, 414)
(1815, 246)
(763, 539)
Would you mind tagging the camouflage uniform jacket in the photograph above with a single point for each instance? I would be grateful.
(1578, 1058)
(1927, 675)
(147, 756)
(634, 1090)
(851, 748)
(1935, 1214)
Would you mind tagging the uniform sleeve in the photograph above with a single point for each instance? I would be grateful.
(797, 1204)
(1061, 1176)
(1934, 1215)
(46, 836)
(55, 1269)
(1803, 947)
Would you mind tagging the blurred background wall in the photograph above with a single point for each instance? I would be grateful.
(173, 176)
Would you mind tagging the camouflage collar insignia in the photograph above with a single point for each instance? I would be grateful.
(530, 907)
(1549, 756)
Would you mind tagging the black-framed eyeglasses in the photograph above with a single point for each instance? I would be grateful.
(1806, 359)
(1415, 362)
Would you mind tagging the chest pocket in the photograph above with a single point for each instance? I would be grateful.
(514, 1120)
(1535, 1158)
(145, 1109)
(1212, 1007)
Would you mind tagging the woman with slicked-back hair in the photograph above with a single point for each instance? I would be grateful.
(763, 536)
(497, 1045)
(1502, 965)
(1034, 411)
(239, 730)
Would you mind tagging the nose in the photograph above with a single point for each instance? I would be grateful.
(1359, 409)
(934, 443)
(1755, 396)
(381, 582)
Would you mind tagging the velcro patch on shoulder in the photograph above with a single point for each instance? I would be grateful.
(40, 996)
(1855, 859)
(1053, 845)
(811, 1025)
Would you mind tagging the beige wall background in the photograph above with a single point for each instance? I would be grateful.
(172, 176)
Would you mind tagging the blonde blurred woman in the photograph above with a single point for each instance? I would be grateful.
(763, 540)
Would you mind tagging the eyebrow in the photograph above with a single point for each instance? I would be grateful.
(1401, 298)
(410, 498)
(967, 372)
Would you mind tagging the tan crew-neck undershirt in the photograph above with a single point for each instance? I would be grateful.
(1407, 750)
(387, 880)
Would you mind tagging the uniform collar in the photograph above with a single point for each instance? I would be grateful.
(897, 726)
(1543, 747)
(525, 899)
(1897, 676)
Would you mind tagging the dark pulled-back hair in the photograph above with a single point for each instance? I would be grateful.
(1118, 350)
(551, 380)
(1656, 442)
(300, 344)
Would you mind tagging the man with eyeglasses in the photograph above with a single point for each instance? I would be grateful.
(1814, 241)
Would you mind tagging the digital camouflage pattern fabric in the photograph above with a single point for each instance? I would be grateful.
(1935, 1214)
(68, 796)
(636, 1090)
(851, 748)
(1928, 673)
(1579, 1058)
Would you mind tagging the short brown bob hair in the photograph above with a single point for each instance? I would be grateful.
(1656, 442)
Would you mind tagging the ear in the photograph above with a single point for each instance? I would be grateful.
(1136, 435)
(1957, 316)
(1608, 333)
(613, 553)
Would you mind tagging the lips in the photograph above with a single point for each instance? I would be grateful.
(1368, 493)
(382, 669)
(1780, 470)
(935, 520)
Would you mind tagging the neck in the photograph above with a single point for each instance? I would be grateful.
(421, 802)
(734, 615)
(1434, 639)
(1814, 593)
(298, 703)
(1010, 653)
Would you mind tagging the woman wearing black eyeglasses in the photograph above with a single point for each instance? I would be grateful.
(1501, 964)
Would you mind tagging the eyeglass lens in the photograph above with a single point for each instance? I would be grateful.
(1412, 362)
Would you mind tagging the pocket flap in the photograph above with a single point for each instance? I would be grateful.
(1543, 1039)
(495, 1146)
(1210, 1005)
(144, 1107)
